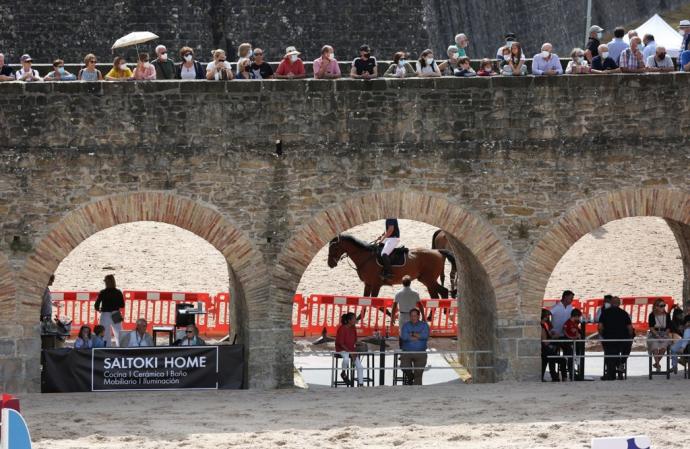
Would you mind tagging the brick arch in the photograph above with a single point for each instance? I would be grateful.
(488, 284)
(670, 204)
(245, 263)
(7, 290)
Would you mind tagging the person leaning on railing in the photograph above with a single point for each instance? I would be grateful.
(603, 63)
(144, 71)
(578, 63)
(659, 329)
(59, 73)
(660, 61)
(326, 66)
(400, 68)
(631, 59)
(364, 67)
(219, 69)
(448, 66)
(426, 65)
(120, 71)
(6, 72)
(90, 72)
(189, 68)
(615, 324)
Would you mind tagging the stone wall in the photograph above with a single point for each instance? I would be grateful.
(73, 28)
(514, 169)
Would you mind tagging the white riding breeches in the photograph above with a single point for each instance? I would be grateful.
(358, 365)
(389, 245)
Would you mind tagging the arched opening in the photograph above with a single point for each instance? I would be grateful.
(487, 279)
(665, 215)
(7, 291)
(246, 269)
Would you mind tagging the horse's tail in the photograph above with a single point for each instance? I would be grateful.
(433, 238)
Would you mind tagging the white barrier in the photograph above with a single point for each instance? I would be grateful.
(636, 442)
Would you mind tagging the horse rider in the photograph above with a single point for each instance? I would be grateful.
(391, 239)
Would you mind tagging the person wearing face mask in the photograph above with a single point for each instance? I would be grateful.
(59, 73)
(426, 66)
(464, 69)
(448, 66)
(684, 30)
(660, 61)
(6, 72)
(243, 72)
(400, 67)
(595, 34)
(546, 62)
(165, 68)
(364, 67)
(649, 46)
(120, 71)
(486, 68)
(189, 68)
(144, 70)
(220, 69)
(578, 64)
(291, 66)
(510, 40)
(603, 63)
(260, 68)
(326, 67)
(461, 42)
(631, 59)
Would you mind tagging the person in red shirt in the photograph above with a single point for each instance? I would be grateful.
(345, 344)
(571, 330)
(291, 67)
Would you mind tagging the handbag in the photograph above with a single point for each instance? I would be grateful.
(116, 316)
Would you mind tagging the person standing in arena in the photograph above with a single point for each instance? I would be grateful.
(109, 303)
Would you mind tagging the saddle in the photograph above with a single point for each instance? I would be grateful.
(398, 256)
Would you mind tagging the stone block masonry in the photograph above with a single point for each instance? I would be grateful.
(515, 170)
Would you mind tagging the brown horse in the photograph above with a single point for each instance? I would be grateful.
(440, 241)
(426, 265)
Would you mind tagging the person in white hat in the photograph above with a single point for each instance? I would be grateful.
(27, 73)
(684, 30)
(291, 67)
(595, 34)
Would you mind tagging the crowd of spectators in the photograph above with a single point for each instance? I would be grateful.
(641, 54)
(562, 337)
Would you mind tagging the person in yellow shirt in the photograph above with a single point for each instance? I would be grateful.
(120, 71)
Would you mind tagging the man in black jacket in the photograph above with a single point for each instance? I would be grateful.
(615, 324)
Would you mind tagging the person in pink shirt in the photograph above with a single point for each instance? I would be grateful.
(326, 67)
(144, 70)
(291, 66)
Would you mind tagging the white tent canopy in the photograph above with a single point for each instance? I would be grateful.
(664, 34)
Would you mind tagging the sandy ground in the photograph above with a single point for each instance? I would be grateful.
(634, 256)
(499, 416)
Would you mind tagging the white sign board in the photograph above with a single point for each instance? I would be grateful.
(636, 442)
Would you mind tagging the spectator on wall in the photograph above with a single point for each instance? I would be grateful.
(326, 66)
(98, 339)
(138, 338)
(578, 62)
(59, 73)
(189, 68)
(595, 34)
(90, 72)
(448, 66)
(660, 61)
(84, 340)
(486, 68)
(291, 67)
(144, 70)
(546, 62)
(615, 324)
(649, 46)
(659, 329)
(603, 63)
(617, 44)
(244, 51)
(631, 60)
(260, 68)
(684, 30)
(346, 346)
(413, 338)
(47, 301)
(219, 69)
(364, 67)
(426, 65)
(400, 67)
(110, 303)
(513, 63)
(165, 67)
(6, 72)
(120, 71)
(27, 73)
(462, 41)
(464, 68)
(510, 40)
(243, 72)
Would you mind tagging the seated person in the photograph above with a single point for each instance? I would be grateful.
(346, 346)
(464, 68)
(138, 338)
(400, 67)
(191, 337)
(98, 338)
(59, 73)
(486, 68)
(679, 346)
(120, 71)
(603, 63)
(83, 340)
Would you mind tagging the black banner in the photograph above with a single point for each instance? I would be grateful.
(151, 368)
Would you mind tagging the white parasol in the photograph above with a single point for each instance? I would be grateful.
(135, 38)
